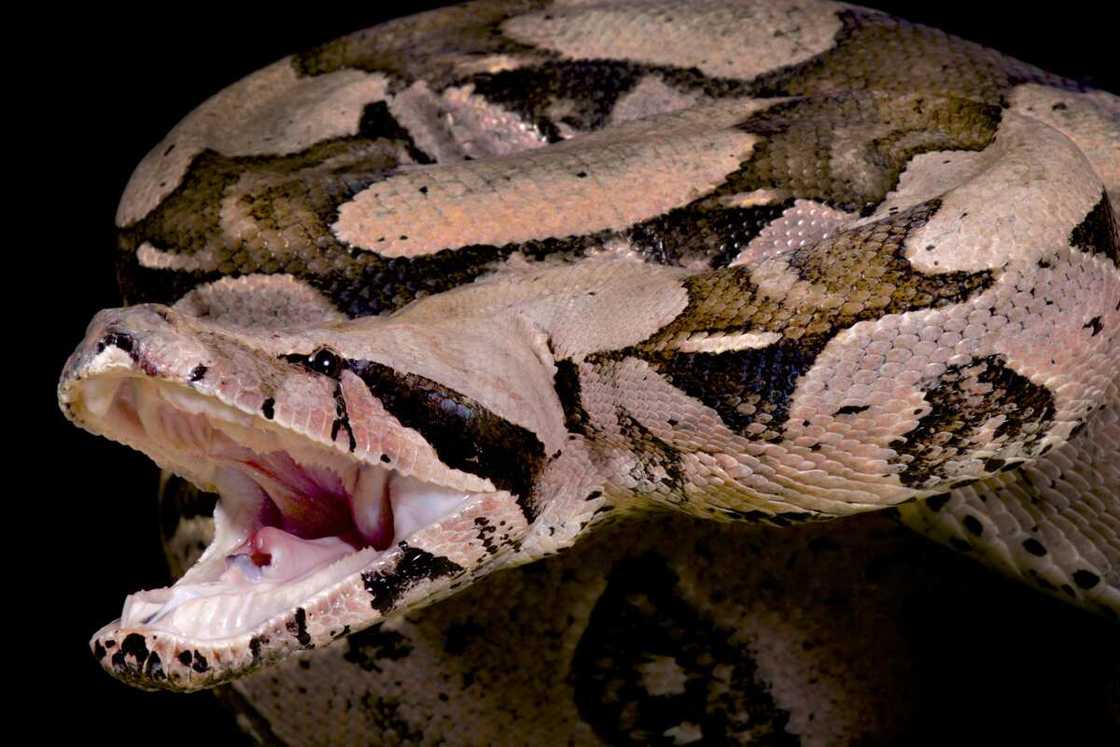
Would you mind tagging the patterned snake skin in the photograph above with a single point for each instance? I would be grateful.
(662, 281)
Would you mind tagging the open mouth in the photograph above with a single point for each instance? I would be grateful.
(295, 518)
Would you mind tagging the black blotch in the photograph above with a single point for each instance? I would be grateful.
(342, 418)
(1034, 547)
(297, 626)
(375, 644)
(1085, 579)
(378, 122)
(1095, 325)
(185, 658)
(752, 516)
(567, 384)
(641, 617)
(973, 525)
(994, 464)
(852, 409)
(948, 431)
(98, 650)
(1098, 232)
(702, 232)
(385, 458)
(659, 465)
(200, 664)
(415, 565)
(742, 385)
(153, 667)
(132, 647)
(197, 373)
(789, 518)
(268, 408)
(255, 648)
(465, 434)
(120, 340)
(486, 532)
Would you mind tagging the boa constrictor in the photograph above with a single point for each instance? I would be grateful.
(446, 296)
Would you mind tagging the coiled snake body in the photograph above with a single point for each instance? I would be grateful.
(446, 296)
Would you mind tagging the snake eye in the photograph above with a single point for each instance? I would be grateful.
(326, 362)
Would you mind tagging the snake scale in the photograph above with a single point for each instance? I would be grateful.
(468, 289)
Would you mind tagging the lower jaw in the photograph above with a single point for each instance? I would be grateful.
(253, 572)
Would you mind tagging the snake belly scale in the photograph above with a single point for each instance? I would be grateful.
(456, 293)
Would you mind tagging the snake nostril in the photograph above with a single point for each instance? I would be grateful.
(121, 340)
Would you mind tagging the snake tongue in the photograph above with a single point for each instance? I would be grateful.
(277, 556)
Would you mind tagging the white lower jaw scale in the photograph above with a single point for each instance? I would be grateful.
(292, 562)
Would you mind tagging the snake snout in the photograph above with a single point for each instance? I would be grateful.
(116, 342)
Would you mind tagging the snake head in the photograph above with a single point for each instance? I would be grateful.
(357, 478)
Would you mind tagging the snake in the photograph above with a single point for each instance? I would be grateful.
(520, 278)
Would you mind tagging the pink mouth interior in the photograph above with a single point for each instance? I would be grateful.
(312, 503)
(307, 515)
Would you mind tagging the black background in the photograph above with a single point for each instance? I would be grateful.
(93, 92)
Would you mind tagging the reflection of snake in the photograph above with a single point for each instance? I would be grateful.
(450, 294)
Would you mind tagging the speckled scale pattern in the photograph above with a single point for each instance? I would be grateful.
(863, 265)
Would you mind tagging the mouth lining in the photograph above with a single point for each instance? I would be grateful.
(294, 518)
